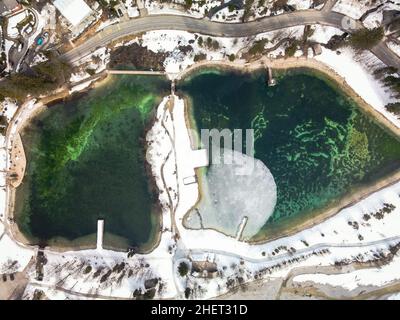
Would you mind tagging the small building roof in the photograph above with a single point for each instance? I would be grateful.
(75, 11)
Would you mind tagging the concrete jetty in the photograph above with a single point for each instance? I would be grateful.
(100, 233)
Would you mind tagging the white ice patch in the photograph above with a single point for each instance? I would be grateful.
(235, 190)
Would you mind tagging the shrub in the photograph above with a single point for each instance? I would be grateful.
(199, 57)
(291, 49)
(183, 269)
(258, 47)
(188, 3)
(393, 107)
(215, 45)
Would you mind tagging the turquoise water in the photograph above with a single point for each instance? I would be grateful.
(316, 142)
(86, 161)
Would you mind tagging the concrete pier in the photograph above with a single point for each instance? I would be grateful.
(241, 228)
(100, 232)
(271, 80)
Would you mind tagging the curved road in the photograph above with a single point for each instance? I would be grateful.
(203, 26)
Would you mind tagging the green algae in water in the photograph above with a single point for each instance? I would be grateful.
(315, 141)
(86, 160)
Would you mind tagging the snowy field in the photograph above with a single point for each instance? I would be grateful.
(367, 277)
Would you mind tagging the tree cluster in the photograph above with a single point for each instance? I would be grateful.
(40, 79)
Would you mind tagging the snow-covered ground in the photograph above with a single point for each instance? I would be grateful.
(322, 34)
(374, 19)
(97, 62)
(8, 108)
(13, 257)
(356, 70)
(355, 9)
(131, 8)
(395, 296)
(395, 47)
(172, 42)
(228, 14)
(366, 277)
(13, 21)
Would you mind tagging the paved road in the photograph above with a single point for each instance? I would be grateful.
(174, 22)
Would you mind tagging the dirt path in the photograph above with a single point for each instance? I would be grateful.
(17, 162)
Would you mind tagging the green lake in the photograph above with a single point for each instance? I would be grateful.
(86, 155)
(317, 143)
(86, 160)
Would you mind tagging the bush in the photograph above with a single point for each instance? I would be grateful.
(231, 57)
(188, 3)
(247, 10)
(215, 45)
(183, 269)
(279, 5)
(291, 49)
(91, 71)
(187, 293)
(231, 7)
(393, 82)
(365, 39)
(385, 71)
(393, 108)
(258, 47)
(199, 57)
